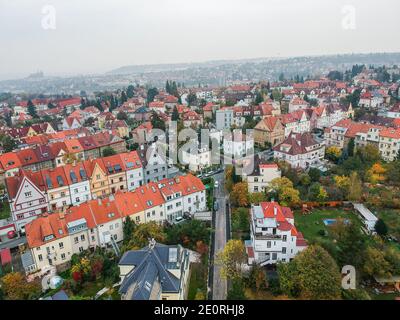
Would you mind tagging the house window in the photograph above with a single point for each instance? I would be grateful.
(40, 257)
(80, 249)
(63, 256)
(61, 245)
(28, 194)
(76, 240)
(283, 249)
(83, 237)
(284, 238)
(268, 244)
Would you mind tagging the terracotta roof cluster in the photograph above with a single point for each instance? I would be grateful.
(353, 128)
(23, 132)
(48, 179)
(44, 151)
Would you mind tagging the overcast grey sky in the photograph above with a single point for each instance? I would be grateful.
(93, 36)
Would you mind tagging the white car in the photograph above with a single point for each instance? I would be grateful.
(216, 184)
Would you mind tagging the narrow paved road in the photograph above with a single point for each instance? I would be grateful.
(219, 284)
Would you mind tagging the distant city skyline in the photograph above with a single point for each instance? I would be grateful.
(93, 37)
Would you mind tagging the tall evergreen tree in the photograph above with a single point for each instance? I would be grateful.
(32, 109)
(175, 114)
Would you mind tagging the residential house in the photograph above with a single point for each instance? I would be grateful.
(273, 235)
(298, 103)
(97, 173)
(57, 188)
(261, 177)
(269, 131)
(156, 272)
(27, 197)
(300, 150)
(78, 183)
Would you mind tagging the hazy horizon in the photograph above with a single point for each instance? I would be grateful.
(92, 37)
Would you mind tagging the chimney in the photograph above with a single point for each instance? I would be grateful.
(275, 211)
(61, 214)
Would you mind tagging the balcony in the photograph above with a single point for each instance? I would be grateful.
(260, 236)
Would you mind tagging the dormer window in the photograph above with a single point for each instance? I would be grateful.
(49, 237)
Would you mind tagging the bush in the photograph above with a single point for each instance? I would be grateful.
(356, 294)
(274, 286)
(322, 233)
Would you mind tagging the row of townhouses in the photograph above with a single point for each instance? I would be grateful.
(58, 153)
(273, 130)
(386, 139)
(34, 192)
(54, 237)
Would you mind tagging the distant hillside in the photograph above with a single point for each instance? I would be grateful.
(341, 59)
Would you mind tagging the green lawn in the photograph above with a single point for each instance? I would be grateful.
(392, 219)
(312, 224)
(240, 223)
(4, 210)
(198, 278)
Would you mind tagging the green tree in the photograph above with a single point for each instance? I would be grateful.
(381, 228)
(188, 233)
(122, 116)
(8, 143)
(351, 243)
(151, 93)
(142, 233)
(128, 228)
(285, 192)
(375, 263)
(259, 98)
(355, 187)
(108, 151)
(124, 98)
(32, 109)
(15, 287)
(350, 147)
(314, 174)
(312, 274)
(130, 91)
(316, 192)
(192, 99)
(231, 258)
(157, 122)
(236, 292)
(175, 114)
